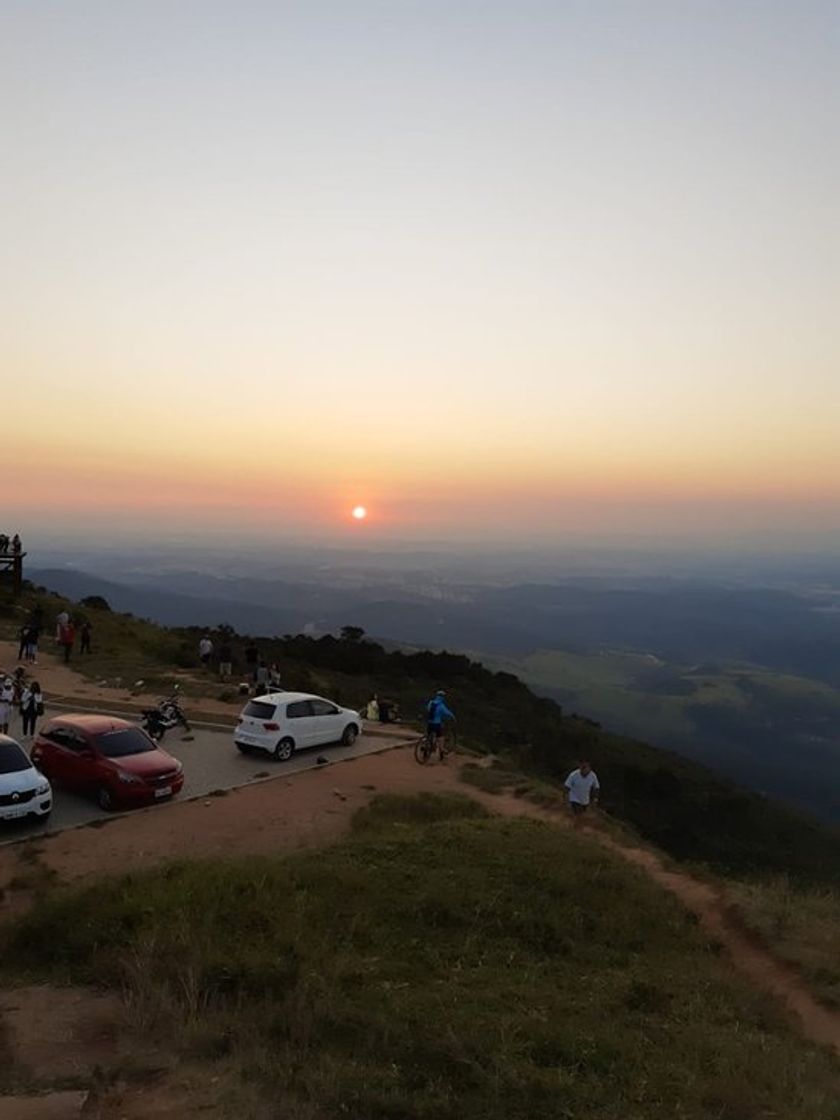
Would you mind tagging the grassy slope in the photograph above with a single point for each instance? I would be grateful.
(786, 869)
(673, 803)
(439, 964)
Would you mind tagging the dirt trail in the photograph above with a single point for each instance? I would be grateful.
(718, 917)
(721, 920)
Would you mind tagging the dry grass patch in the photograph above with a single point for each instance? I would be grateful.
(800, 924)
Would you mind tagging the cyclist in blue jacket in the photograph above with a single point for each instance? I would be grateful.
(436, 713)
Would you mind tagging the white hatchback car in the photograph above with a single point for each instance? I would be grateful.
(24, 791)
(281, 723)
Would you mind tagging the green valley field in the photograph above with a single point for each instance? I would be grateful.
(770, 730)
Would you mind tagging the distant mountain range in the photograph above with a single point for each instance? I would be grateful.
(680, 621)
(743, 679)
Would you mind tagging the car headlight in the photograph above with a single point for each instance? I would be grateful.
(179, 766)
(42, 789)
(132, 779)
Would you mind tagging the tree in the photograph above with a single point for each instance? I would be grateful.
(352, 633)
(96, 603)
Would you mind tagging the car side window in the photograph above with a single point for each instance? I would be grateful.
(298, 709)
(323, 708)
(58, 735)
(77, 742)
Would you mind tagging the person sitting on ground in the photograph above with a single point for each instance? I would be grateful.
(436, 713)
(583, 789)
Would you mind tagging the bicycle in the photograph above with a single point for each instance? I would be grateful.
(428, 743)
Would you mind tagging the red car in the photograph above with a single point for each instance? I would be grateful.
(111, 759)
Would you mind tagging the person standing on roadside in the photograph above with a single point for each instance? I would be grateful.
(23, 641)
(68, 640)
(205, 650)
(7, 696)
(84, 633)
(61, 621)
(31, 706)
(252, 656)
(583, 788)
(30, 653)
(225, 662)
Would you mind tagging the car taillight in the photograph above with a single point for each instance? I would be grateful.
(271, 726)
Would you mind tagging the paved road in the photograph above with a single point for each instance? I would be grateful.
(211, 762)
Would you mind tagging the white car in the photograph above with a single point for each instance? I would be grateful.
(284, 722)
(24, 791)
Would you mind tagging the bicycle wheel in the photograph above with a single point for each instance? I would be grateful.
(423, 750)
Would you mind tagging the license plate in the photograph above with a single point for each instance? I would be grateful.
(164, 791)
(15, 811)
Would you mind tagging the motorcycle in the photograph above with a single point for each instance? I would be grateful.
(157, 721)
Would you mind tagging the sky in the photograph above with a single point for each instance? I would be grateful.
(531, 271)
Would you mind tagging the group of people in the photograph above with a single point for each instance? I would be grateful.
(66, 631)
(262, 676)
(17, 693)
(382, 711)
(10, 544)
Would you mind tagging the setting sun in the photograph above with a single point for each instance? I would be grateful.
(359, 512)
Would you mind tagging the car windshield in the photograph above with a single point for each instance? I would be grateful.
(13, 759)
(259, 710)
(126, 740)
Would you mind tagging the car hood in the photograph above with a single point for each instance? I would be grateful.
(146, 764)
(21, 781)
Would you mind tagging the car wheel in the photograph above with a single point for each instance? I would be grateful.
(283, 750)
(104, 798)
(351, 731)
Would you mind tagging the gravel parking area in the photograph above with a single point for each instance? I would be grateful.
(211, 762)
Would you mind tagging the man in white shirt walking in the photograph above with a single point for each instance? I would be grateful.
(583, 789)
